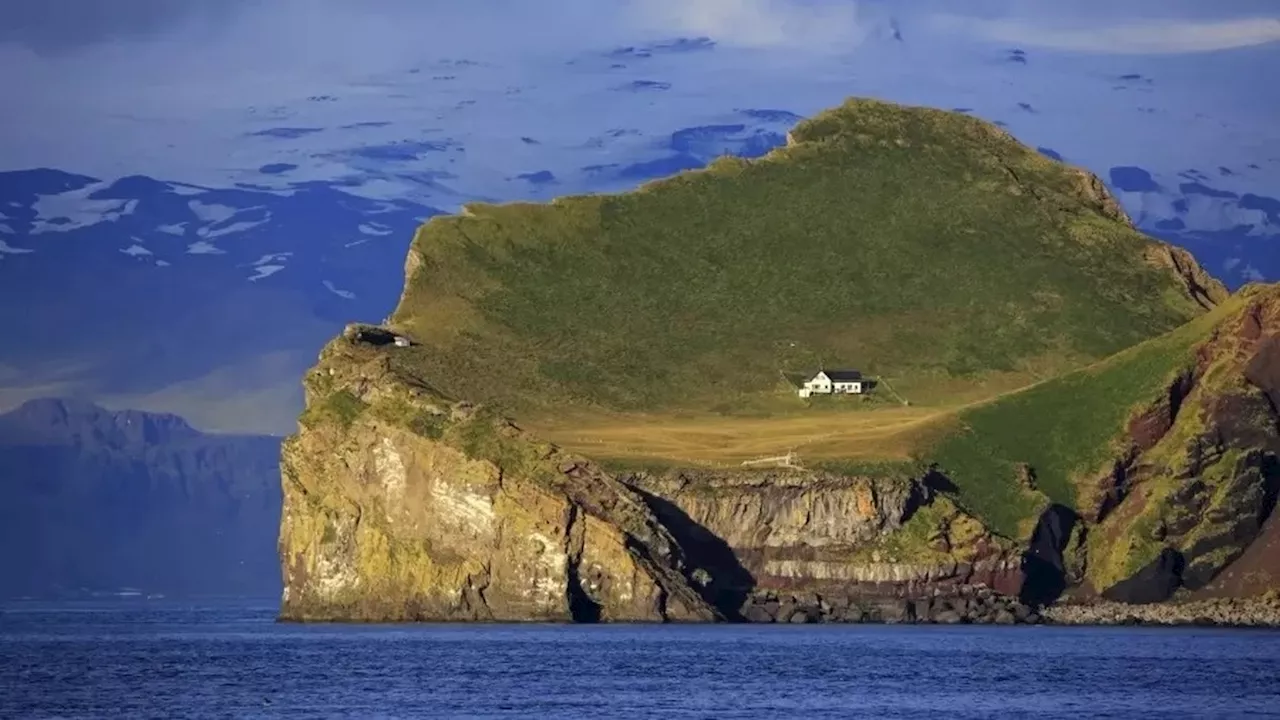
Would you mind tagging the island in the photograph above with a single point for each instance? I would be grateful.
(564, 418)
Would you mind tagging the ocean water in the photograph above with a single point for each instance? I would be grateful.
(147, 660)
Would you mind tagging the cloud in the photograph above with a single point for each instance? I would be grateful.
(180, 95)
(1146, 37)
(52, 27)
(812, 24)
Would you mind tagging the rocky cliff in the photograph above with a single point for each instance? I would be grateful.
(1195, 482)
(822, 540)
(403, 504)
(400, 504)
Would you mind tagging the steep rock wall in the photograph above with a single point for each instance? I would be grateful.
(402, 505)
(1199, 475)
(834, 537)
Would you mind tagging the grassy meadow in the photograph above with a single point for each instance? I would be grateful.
(921, 245)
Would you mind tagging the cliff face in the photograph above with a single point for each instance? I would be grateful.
(401, 505)
(1197, 483)
(829, 537)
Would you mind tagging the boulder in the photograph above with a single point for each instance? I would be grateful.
(900, 611)
(853, 614)
(948, 617)
(757, 614)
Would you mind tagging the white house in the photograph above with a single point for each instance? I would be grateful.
(833, 382)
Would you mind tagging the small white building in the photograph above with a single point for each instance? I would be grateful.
(833, 382)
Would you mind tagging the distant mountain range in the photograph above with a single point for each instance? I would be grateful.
(95, 502)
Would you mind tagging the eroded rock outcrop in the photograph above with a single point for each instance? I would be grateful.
(1199, 477)
(842, 540)
(402, 505)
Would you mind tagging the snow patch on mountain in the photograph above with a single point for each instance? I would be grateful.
(235, 227)
(264, 271)
(186, 189)
(268, 265)
(211, 212)
(65, 211)
(1169, 202)
(344, 294)
(203, 247)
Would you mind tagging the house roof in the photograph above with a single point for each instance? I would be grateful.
(843, 375)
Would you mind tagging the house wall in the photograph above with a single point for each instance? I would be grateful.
(823, 384)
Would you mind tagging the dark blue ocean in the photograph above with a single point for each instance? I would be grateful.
(231, 660)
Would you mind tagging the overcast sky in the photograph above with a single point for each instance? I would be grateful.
(53, 27)
(170, 86)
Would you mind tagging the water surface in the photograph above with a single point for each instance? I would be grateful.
(140, 660)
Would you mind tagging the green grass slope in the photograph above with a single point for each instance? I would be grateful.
(1071, 429)
(907, 242)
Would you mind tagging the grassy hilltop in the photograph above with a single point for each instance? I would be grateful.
(925, 246)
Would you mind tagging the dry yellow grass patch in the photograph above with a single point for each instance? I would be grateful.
(889, 433)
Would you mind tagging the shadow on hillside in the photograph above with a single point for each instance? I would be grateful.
(938, 482)
(730, 583)
(1043, 565)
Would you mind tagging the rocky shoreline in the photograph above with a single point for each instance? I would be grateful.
(983, 607)
(989, 608)
(1226, 612)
